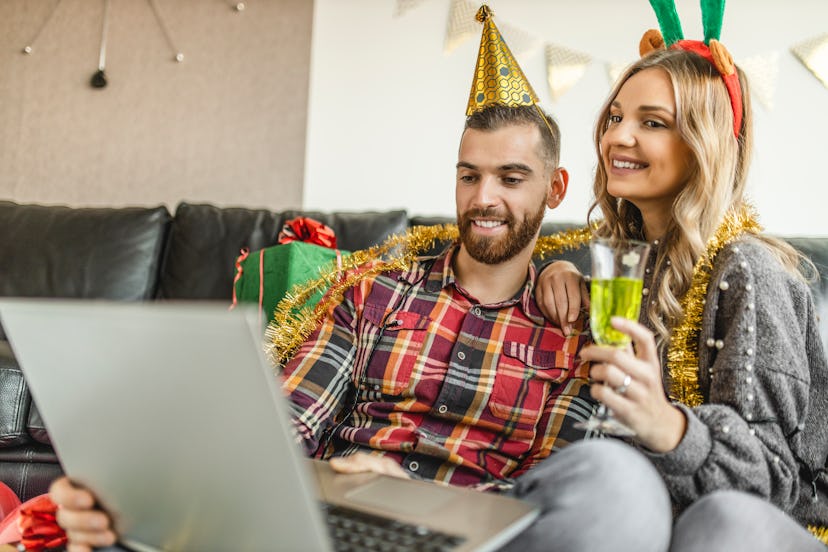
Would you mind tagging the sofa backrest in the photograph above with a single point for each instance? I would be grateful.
(205, 241)
(101, 253)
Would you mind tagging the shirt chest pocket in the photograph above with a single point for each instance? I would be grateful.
(396, 348)
(525, 375)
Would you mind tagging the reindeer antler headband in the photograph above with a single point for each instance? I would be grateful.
(671, 36)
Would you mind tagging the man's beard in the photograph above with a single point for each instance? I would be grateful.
(496, 250)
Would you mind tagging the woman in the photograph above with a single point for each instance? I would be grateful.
(740, 357)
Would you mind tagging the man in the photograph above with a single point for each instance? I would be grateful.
(447, 371)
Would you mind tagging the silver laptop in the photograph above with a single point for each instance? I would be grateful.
(172, 415)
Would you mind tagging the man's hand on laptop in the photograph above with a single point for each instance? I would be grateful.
(362, 462)
(85, 525)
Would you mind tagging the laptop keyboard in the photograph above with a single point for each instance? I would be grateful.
(354, 530)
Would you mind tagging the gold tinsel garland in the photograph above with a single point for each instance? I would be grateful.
(293, 321)
(683, 351)
(821, 533)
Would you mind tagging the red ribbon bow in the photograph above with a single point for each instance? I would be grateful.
(38, 524)
(307, 230)
(34, 524)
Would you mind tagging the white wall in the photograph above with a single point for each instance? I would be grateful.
(386, 106)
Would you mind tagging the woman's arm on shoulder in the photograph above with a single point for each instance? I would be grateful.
(561, 293)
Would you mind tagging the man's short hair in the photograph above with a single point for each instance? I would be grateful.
(497, 116)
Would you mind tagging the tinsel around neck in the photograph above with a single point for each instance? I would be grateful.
(683, 350)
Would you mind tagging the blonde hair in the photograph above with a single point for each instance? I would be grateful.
(715, 183)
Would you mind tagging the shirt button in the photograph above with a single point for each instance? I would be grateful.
(414, 466)
(443, 409)
(645, 291)
(376, 387)
(476, 311)
(461, 355)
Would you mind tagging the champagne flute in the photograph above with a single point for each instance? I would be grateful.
(615, 290)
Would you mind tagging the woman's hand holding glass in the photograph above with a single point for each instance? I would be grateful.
(642, 404)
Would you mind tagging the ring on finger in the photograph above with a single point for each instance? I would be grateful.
(621, 389)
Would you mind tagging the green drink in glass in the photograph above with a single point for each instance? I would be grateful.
(613, 297)
(615, 290)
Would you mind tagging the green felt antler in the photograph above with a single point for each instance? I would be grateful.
(668, 20)
(712, 15)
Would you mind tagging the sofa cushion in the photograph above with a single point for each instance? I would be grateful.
(205, 241)
(816, 249)
(100, 253)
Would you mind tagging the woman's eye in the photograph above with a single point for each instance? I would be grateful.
(654, 124)
(614, 119)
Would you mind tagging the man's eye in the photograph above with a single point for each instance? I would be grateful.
(467, 178)
(512, 180)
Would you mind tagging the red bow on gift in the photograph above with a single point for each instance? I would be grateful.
(307, 230)
(36, 525)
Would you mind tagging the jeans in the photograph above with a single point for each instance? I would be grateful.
(739, 522)
(595, 495)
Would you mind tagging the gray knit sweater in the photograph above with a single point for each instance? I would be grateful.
(763, 427)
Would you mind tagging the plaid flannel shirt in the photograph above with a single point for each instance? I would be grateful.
(455, 391)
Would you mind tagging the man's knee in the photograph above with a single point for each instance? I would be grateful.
(599, 469)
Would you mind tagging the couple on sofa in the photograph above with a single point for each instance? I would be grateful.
(457, 344)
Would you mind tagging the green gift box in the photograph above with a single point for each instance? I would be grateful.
(266, 275)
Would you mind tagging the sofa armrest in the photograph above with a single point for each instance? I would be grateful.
(15, 400)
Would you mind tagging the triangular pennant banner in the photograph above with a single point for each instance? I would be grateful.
(404, 6)
(614, 70)
(813, 53)
(521, 43)
(564, 68)
(762, 72)
(462, 24)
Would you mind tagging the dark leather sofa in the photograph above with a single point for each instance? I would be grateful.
(148, 253)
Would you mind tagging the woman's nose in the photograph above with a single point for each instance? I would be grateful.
(621, 133)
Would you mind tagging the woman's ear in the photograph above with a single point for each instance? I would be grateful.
(557, 188)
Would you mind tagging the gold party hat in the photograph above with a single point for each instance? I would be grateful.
(498, 78)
